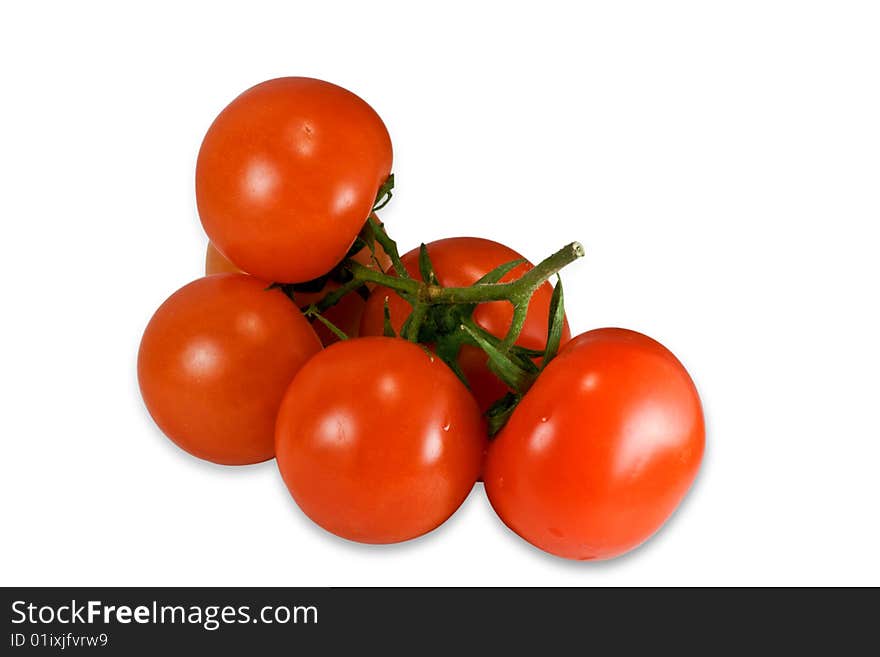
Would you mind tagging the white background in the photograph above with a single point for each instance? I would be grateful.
(719, 160)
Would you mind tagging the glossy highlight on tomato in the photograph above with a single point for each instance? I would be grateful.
(602, 448)
(378, 441)
(214, 362)
(460, 262)
(288, 173)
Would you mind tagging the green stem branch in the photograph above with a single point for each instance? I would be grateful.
(333, 297)
(388, 245)
(520, 311)
(407, 286)
(514, 291)
(335, 330)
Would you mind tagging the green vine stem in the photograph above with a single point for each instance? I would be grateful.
(443, 316)
(454, 326)
(515, 292)
(332, 298)
(401, 283)
(312, 311)
(388, 244)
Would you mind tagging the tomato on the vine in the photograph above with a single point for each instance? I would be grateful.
(288, 173)
(378, 441)
(460, 262)
(601, 449)
(214, 362)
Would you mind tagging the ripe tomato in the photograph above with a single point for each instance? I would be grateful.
(217, 263)
(378, 441)
(215, 361)
(459, 262)
(287, 174)
(346, 314)
(601, 450)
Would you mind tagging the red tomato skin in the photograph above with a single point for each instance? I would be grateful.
(378, 441)
(214, 362)
(287, 174)
(602, 448)
(217, 263)
(345, 315)
(460, 262)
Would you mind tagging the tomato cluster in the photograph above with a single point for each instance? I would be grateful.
(384, 385)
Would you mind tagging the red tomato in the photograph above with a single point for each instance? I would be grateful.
(601, 450)
(215, 361)
(287, 174)
(378, 441)
(459, 262)
(217, 263)
(345, 315)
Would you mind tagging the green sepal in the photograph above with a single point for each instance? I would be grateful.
(501, 364)
(312, 313)
(383, 196)
(426, 268)
(388, 245)
(387, 328)
(556, 323)
(447, 349)
(499, 412)
(499, 272)
(526, 352)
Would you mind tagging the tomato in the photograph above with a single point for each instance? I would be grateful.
(287, 174)
(217, 263)
(378, 441)
(602, 448)
(459, 262)
(345, 315)
(214, 362)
